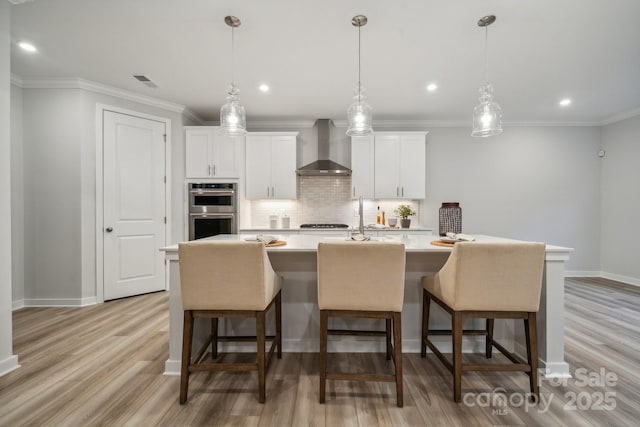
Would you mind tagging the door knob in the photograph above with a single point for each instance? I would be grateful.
(109, 229)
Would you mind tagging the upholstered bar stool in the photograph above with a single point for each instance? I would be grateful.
(490, 281)
(362, 280)
(227, 279)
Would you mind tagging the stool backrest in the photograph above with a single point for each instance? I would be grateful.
(365, 276)
(494, 276)
(225, 275)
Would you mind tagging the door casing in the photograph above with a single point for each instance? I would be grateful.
(99, 232)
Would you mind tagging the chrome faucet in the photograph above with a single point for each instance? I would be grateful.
(361, 224)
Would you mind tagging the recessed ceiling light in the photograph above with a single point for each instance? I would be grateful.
(264, 87)
(564, 102)
(27, 46)
(431, 87)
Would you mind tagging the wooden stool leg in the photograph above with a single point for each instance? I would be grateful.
(324, 323)
(426, 305)
(456, 320)
(531, 332)
(260, 333)
(214, 338)
(397, 346)
(489, 338)
(388, 330)
(279, 323)
(187, 339)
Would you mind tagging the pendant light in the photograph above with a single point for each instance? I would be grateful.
(233, 120)
(487, 116)
(359, 113)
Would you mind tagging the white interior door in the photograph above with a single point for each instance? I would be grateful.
(133, 204)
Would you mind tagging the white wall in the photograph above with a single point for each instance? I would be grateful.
(8, 361)
(621, 201)
(17, 198)
(534, 183)
(52, 140)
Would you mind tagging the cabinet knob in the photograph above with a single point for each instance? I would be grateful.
(108, 229)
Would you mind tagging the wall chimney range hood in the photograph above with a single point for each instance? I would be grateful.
(323, 166)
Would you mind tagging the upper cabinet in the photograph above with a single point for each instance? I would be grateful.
(271, 165)
(362, 166)
(400, 169)
(210, 154)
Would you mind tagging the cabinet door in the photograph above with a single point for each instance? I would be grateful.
(283, 167)
(412, 167)
(258, 165)
(225, 159)
(387, 166)
(198, 147)
(362, 166)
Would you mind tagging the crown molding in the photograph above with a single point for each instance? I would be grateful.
(269, 124)
(621, 116)
(187, 112)
(77, 83)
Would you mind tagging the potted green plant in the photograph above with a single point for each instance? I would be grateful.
(404, 212)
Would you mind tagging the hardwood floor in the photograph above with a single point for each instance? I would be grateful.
(102, 365)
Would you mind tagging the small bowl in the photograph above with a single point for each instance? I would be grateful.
(392, 222)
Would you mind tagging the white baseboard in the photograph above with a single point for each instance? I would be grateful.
(58, 302)
(9, 364)
(583, 274)
(17, 305)
(620, 278)
(172, 368)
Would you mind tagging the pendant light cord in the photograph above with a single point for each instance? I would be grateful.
(486, 54)
(359, 55)
(233, 59)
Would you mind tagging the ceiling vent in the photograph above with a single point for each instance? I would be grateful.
(145, 80)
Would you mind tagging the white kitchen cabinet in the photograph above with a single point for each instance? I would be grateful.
(209, 154)
(362, 166)
(271, 165)
(400, 165)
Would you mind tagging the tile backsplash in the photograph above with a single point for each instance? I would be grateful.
(322, 199)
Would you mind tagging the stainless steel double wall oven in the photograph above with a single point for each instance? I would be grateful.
(213, 209)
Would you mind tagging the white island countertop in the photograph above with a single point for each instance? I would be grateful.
(309, 242)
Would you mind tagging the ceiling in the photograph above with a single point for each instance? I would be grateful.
(539, 52)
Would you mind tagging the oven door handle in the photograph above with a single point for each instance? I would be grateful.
(213, 192)
(212, 215)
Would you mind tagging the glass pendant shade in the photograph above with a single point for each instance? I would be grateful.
(233, 120)
(487, 116)
(359, 115)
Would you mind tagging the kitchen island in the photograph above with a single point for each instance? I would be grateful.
(296, 262)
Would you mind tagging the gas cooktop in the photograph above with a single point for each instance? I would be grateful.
(324, 226)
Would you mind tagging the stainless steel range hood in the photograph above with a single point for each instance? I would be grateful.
(323, 166)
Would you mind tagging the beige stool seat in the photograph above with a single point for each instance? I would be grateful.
(362, 280)
(487, 280)
(221, 279)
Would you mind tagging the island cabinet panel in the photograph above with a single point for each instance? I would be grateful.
(362, 166)
(271, 165)
(208, 154)
(400, 165)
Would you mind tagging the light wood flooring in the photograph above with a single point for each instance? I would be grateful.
(102, 365)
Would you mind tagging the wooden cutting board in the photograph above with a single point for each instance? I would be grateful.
(276, 243)
(441, 243)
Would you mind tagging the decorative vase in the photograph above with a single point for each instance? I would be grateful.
(450, 218)
(405, 222)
